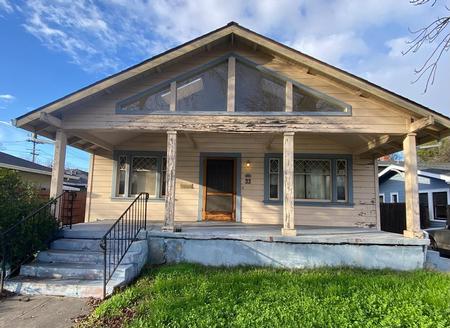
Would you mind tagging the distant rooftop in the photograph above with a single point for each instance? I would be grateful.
(17, 163)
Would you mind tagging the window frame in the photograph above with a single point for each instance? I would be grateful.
(310, 202)
(273, 74)
(391, 197)
(159, 155)
(316, 200)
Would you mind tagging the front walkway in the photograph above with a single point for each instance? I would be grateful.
(41, 311)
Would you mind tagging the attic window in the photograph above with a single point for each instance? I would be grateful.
(306, 101)
(258, 92)
(151, 102)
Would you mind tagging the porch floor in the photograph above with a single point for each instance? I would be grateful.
(258, 232)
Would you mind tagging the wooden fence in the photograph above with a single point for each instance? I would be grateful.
(78, 206)
(393, 217)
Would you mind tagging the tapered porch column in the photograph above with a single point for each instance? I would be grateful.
(288, 185)
(411, 188)
(169, 216)
(59, 159)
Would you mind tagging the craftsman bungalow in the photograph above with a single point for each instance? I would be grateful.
(235, 126)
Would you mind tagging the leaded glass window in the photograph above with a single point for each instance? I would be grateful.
(307, 102)
(341, 180)
(258, 92)
(312, 179)
(206, 91)
(121, 175)
(274, 178)
(144, 175)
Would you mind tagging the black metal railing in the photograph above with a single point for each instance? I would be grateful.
(118, 239)
(20, 242)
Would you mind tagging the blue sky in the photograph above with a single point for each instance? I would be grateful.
(51, 48)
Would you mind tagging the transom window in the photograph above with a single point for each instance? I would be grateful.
(256, 90)
(140, 172)
(315, 179)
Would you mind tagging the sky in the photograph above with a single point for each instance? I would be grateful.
(51, 48)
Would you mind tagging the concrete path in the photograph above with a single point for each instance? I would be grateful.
(41, 311)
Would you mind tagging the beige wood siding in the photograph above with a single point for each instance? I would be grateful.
(252, 148)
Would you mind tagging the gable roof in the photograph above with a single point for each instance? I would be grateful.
(230, 30)
(391, 170)
(20, 164)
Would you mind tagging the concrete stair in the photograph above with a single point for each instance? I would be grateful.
(73, 266)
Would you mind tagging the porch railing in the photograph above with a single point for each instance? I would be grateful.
(117, 240)
(33, 233)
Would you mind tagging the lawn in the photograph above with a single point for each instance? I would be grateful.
(188, 295)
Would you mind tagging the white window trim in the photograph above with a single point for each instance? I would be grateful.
(391, 197)
(382, 196)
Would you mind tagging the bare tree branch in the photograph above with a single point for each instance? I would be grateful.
(435, 32)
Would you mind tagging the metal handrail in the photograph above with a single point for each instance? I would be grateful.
(34, 225)
(116, 242)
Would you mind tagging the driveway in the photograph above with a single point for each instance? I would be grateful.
(41, 311)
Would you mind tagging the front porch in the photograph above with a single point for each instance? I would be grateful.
(234, 244)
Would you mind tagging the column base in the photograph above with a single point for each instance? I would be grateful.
(166, 228)
(413, 234)
(289, 232)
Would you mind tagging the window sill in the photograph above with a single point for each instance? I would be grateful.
(316, 204)
(116, 198)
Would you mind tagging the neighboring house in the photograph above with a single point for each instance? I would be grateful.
(434, 187)
(40, 175)
(233, 126)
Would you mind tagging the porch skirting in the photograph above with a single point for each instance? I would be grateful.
(332, 248)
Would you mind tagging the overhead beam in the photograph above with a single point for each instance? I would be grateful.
(190, 139)
(96, 141)
(421, 124)
(270, 141)
(374, 143)
(51, 120)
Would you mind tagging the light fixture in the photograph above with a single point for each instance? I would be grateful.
(248, 164)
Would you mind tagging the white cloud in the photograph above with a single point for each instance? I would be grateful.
(6, 97)
(6, 6)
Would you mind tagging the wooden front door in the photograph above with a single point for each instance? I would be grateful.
(219, 189)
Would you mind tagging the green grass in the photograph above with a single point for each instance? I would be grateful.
(194, 296)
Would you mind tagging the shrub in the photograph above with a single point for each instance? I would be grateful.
(18, 199)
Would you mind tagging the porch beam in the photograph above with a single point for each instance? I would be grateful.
(288, 185)
(231, 84)
(411, 188)
(95, 141)
(190, 139)
(59, 159)
(50, 120)
(374, 143)
(169, 216)
(421, 124)
(270, 142)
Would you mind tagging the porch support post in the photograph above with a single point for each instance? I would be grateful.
(288, 185)
(411, 188)
(169, 216)
(59, 158)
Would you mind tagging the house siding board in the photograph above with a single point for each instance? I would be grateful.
(253, 208)
(396, 184)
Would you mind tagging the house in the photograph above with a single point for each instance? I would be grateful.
(433, 182)
(276, 146)
(39, 175)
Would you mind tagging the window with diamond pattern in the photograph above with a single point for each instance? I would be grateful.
(144, 175)
(312, 179)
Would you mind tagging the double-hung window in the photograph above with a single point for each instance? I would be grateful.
(317, 179)
(138, 172)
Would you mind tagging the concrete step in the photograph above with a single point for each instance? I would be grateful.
(75, 270)
(59, 287)
(89, 244)
(83, 256)
(89, 232)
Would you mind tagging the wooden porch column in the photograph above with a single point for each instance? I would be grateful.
(169, 216)
(59, 158)
(288, 185)
(411, 188)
